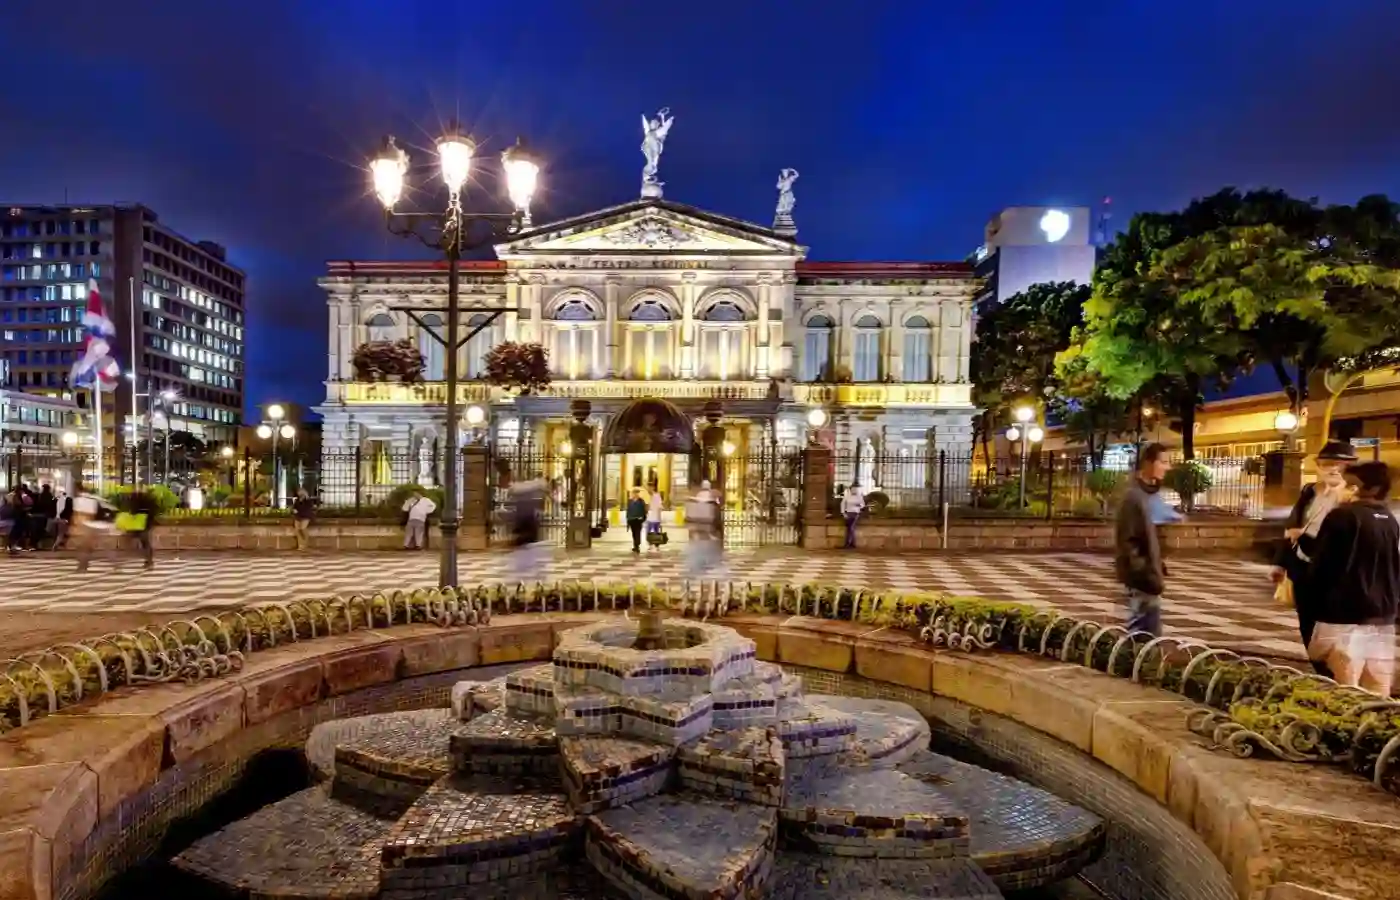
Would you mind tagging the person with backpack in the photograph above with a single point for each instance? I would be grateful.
(416, 510)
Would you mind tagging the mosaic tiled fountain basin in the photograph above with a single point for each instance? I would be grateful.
(683, 768)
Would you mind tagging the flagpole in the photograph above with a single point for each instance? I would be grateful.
(97, 431)
(135, 384)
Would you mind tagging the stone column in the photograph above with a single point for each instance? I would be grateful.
(688, 290)
(512, 315)
(610, 329)
(816, 488)
(580, 479)
(781, 332)
(762, 359)
(844, 337)
(894, 354)
(712, 461)
(964, 340)
(475, 531)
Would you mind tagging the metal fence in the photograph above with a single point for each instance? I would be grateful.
(1047, 485)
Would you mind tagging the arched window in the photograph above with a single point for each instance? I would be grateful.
(572, 353)
(865, 364)
(724, 311)
(816, 349)
(650, 341)
(722, 343)
(434, 355)
(650, 311)
(381, 327)
(474, 366)
(918, 349)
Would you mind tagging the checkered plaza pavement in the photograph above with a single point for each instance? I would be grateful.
(1222, 601)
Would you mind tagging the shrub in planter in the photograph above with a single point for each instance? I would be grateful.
(878, 501)
(120, 496)
(382, 360)
(1104, 485)
(1188, 478)
(520, 367)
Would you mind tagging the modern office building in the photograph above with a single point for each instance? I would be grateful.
(177, 304)
(1026, 245)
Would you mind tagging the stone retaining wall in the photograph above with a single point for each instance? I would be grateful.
(89, 790)
(266, 535)
(1065, 535)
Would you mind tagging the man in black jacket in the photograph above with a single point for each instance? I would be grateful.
(1137, 553)
(1356, 569)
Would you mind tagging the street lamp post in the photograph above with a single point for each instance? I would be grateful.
(273, 429)
(447, 232)
(1026, 432)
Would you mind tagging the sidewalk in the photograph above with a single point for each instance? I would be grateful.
(43, 599)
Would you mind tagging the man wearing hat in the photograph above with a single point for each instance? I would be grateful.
(1295, 555)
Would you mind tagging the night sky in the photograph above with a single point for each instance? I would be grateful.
(912, 123)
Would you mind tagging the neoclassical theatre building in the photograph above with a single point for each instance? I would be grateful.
(657, 299)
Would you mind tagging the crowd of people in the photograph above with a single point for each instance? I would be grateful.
(52, 519)
(35, 520)
(1338, 565)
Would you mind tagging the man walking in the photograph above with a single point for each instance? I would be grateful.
(636, 518)
(1137, 552)
(852, 505)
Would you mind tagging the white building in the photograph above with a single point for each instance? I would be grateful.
(656, 299)
(1026, 245)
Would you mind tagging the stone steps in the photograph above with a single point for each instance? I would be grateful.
(875, 813)
(800, 876)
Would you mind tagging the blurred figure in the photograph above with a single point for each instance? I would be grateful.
(1293, 559)
(416, 510)
(303, 511)
(527, 515)
(45, 511)
(64, 522)
(636, 518)
(852, 505)
(18, 504)
(1137, 552)
(704, 553)
(654, 506)
(138, 523)
(1356, 573)
(91, 516)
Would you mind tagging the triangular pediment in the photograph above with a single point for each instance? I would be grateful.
(649, 227)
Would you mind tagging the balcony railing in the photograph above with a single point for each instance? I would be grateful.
(434, 393)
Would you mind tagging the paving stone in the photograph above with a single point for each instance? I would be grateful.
(747, 764)
(1022, 836)
(308, 845)
(502, 743)
(887, 732)
(802, 876)
(603, 772)
(684, 847)
(470, 829)
(872, 813)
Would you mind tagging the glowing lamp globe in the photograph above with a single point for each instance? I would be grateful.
(1054, 224)
(455, 151)
(387, 172)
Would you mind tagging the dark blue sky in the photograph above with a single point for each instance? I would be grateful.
(912, 122)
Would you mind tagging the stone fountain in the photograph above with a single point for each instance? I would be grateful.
(649, 759)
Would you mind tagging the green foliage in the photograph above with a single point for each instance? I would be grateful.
(1188, 478)
(119, 495)
(878, 501)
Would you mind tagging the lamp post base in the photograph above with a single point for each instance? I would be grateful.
(447, 574)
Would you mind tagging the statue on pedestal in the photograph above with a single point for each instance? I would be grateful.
(425, 462)
(654, 133)
(782, 217)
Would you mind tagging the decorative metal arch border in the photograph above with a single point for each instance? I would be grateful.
(1227, 685)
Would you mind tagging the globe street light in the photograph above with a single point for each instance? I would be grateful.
(816, 419)
(275, 429)
(446, 231)
(1026, 433)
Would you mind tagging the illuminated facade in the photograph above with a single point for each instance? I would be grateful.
(653, 298)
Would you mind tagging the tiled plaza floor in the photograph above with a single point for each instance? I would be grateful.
(1222, 601)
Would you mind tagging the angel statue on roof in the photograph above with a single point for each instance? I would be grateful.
(786, 200)
(654, 133)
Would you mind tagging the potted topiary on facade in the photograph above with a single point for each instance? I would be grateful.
(1188, 478)
(388, 361)
(521, 367)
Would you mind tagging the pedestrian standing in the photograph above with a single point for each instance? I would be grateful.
(527, 514)
(416, 510)
(19, 503)
(654, 519)
(1356, 571)
(303, 511)
(1293, 560)
(704, 550)
(852, 505)
(636, 518)
(44, 512)
(64, 522)
(1137, 551)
